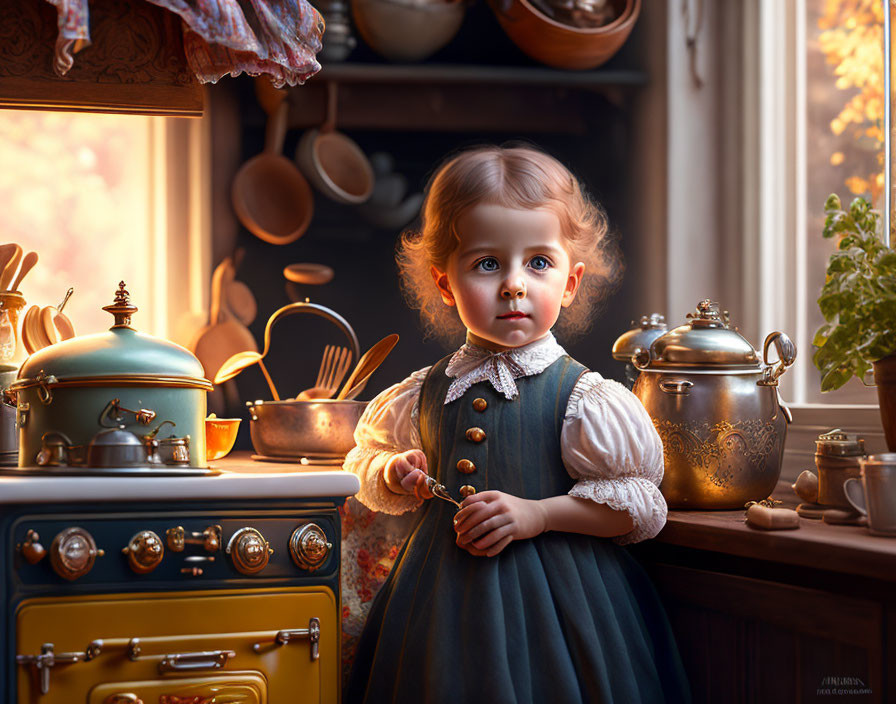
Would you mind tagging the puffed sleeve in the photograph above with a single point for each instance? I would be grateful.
(610, 445)
(387, 426)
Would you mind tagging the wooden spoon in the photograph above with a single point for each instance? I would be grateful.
(27, 265)
(240, 301)
(9, 271)
(367, 365)
(27, 325)
(41, 336)
(270, 196)
(242, 360)
(6, 253)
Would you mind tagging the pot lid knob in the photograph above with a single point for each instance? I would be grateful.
(654, 321)
(121, 308)
(708, 315)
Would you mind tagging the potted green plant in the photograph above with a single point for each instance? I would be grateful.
(858, 302)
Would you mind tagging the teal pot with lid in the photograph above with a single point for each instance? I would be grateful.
(121, 378)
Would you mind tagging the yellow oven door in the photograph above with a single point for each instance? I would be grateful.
(69, 647)
(237, 688)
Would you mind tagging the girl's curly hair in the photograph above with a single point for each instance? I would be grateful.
(518, 177)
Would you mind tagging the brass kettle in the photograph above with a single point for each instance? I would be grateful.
(717, 410)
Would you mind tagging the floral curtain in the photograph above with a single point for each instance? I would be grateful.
(280, 38)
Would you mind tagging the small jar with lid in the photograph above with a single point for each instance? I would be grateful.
(837, 456)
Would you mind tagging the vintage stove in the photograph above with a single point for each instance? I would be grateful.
(173, 590)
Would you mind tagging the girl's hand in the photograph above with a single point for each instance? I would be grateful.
(405, 473)
(490, 521)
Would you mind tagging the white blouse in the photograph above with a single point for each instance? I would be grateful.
(608, 442)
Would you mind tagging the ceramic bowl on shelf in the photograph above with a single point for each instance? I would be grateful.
(561, 45)
(402, 30)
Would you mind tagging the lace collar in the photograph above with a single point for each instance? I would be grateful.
(472, 364)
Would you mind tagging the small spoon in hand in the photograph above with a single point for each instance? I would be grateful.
(367, 365)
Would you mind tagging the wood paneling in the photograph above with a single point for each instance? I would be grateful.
(746, 640)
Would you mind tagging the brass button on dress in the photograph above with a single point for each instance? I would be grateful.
(467, 490)
(475, 434)
(465, 467)
(480, 404)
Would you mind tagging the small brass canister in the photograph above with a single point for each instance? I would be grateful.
(837, 456)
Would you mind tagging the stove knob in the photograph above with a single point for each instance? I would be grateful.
(145, 552)
(249, 551)
(309, 547)
(73, 553)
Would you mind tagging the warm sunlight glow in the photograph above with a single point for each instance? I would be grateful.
(76, 188)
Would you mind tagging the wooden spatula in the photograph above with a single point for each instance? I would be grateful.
(367, 365)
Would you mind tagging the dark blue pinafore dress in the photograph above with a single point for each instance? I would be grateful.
(561, 618)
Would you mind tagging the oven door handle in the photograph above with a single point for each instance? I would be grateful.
(200, 660)
(312, 633)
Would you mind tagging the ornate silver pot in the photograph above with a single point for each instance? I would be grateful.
(717, 409)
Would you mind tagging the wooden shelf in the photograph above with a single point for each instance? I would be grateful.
(458, 97)
(466, 74)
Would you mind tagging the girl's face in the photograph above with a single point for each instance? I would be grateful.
(509, 275)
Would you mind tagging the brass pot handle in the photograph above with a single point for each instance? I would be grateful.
(641, 358)
(676, 387)
(786, 356)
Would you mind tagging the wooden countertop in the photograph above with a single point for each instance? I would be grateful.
(816, 544)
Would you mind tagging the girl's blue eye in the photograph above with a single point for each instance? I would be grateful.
(540, 263)
(488, 264)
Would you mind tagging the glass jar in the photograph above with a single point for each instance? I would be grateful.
(11, 349)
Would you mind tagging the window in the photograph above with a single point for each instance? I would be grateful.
(105, 198)
(820, 132)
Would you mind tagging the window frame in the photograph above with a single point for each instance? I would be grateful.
(181, 196)
(733, 179)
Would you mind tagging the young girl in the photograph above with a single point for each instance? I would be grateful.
(521, 595)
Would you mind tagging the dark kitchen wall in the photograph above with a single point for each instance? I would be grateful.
(593, 143)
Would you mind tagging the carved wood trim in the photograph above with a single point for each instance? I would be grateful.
(135, 64)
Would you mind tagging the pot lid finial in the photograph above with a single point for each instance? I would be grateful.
(708, 315)
(121, 308)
